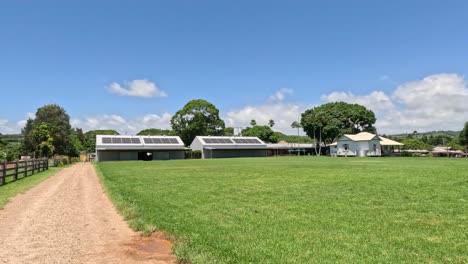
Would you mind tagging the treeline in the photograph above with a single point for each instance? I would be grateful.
(429, 140)
(50, 133)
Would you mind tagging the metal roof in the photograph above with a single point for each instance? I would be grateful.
(223, 142)
(117, 142)
(389, 142)
(363, 136)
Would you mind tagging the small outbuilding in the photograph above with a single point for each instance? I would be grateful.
(212, 147)
(115, 148)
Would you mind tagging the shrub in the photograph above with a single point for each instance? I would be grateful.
(196, 154)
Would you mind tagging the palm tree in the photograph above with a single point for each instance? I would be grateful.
(271, 123)
(297, 125)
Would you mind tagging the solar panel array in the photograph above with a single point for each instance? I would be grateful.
(117, 140)
(136, 140)
(246, 141)
(218, 141)
(212, 140)
(161, 140)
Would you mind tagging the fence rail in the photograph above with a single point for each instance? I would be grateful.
(21, 168)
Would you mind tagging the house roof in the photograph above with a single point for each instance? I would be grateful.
(389, 142)
(363, 136)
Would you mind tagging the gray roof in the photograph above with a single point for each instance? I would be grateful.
(222, 142)
(108, 142)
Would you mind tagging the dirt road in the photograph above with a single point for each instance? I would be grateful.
(69, 219)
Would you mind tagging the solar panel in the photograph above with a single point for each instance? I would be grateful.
(246, 141)
(218, 141)
(161, 141)
(136, 140)
(116, 140)
(208, 141)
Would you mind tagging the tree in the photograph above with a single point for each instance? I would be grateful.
(90, 138)
(229, 131)
(58, 122)
(297, 125)
(43, 140)
(265, 133)
(253, 122)
(271, 122)
(197, 118)
(329, 121)
(414, 143)
(463, 137)
(155, 132)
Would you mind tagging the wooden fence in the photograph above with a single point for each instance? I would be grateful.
(21, 168)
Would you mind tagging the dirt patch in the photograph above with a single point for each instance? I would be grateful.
(68, 218)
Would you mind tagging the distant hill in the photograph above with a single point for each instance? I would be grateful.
(449, 133)
(13, 138)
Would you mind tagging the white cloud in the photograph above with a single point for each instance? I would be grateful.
(436, 102)
(138, 88)
(281, 112)
(8, 127)
(377, 100)
(30, 115)
(280, 95)
(123, 125)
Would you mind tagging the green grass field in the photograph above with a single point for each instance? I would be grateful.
(299, 209)
(12, 188)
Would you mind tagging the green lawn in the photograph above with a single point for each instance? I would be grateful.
(12, 188)
(299, 209)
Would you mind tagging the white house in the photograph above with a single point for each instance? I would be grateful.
(363, 144)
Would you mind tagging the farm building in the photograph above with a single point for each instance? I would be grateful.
(113, 148)
(362, 144)
(212, 147)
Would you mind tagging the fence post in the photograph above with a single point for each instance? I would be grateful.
(47, 163)
(33, 167)
(25, 168)
(15, 177)
(3, 179)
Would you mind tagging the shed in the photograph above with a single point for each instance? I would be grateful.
(213, 147)
(114, 148)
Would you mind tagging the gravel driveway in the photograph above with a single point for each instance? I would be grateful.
(69, 219)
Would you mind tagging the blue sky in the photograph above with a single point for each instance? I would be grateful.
(252, 59)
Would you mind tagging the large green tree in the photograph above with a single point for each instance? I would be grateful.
(197, 118)
(59, 128)
(329, 121)
(265, 133)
